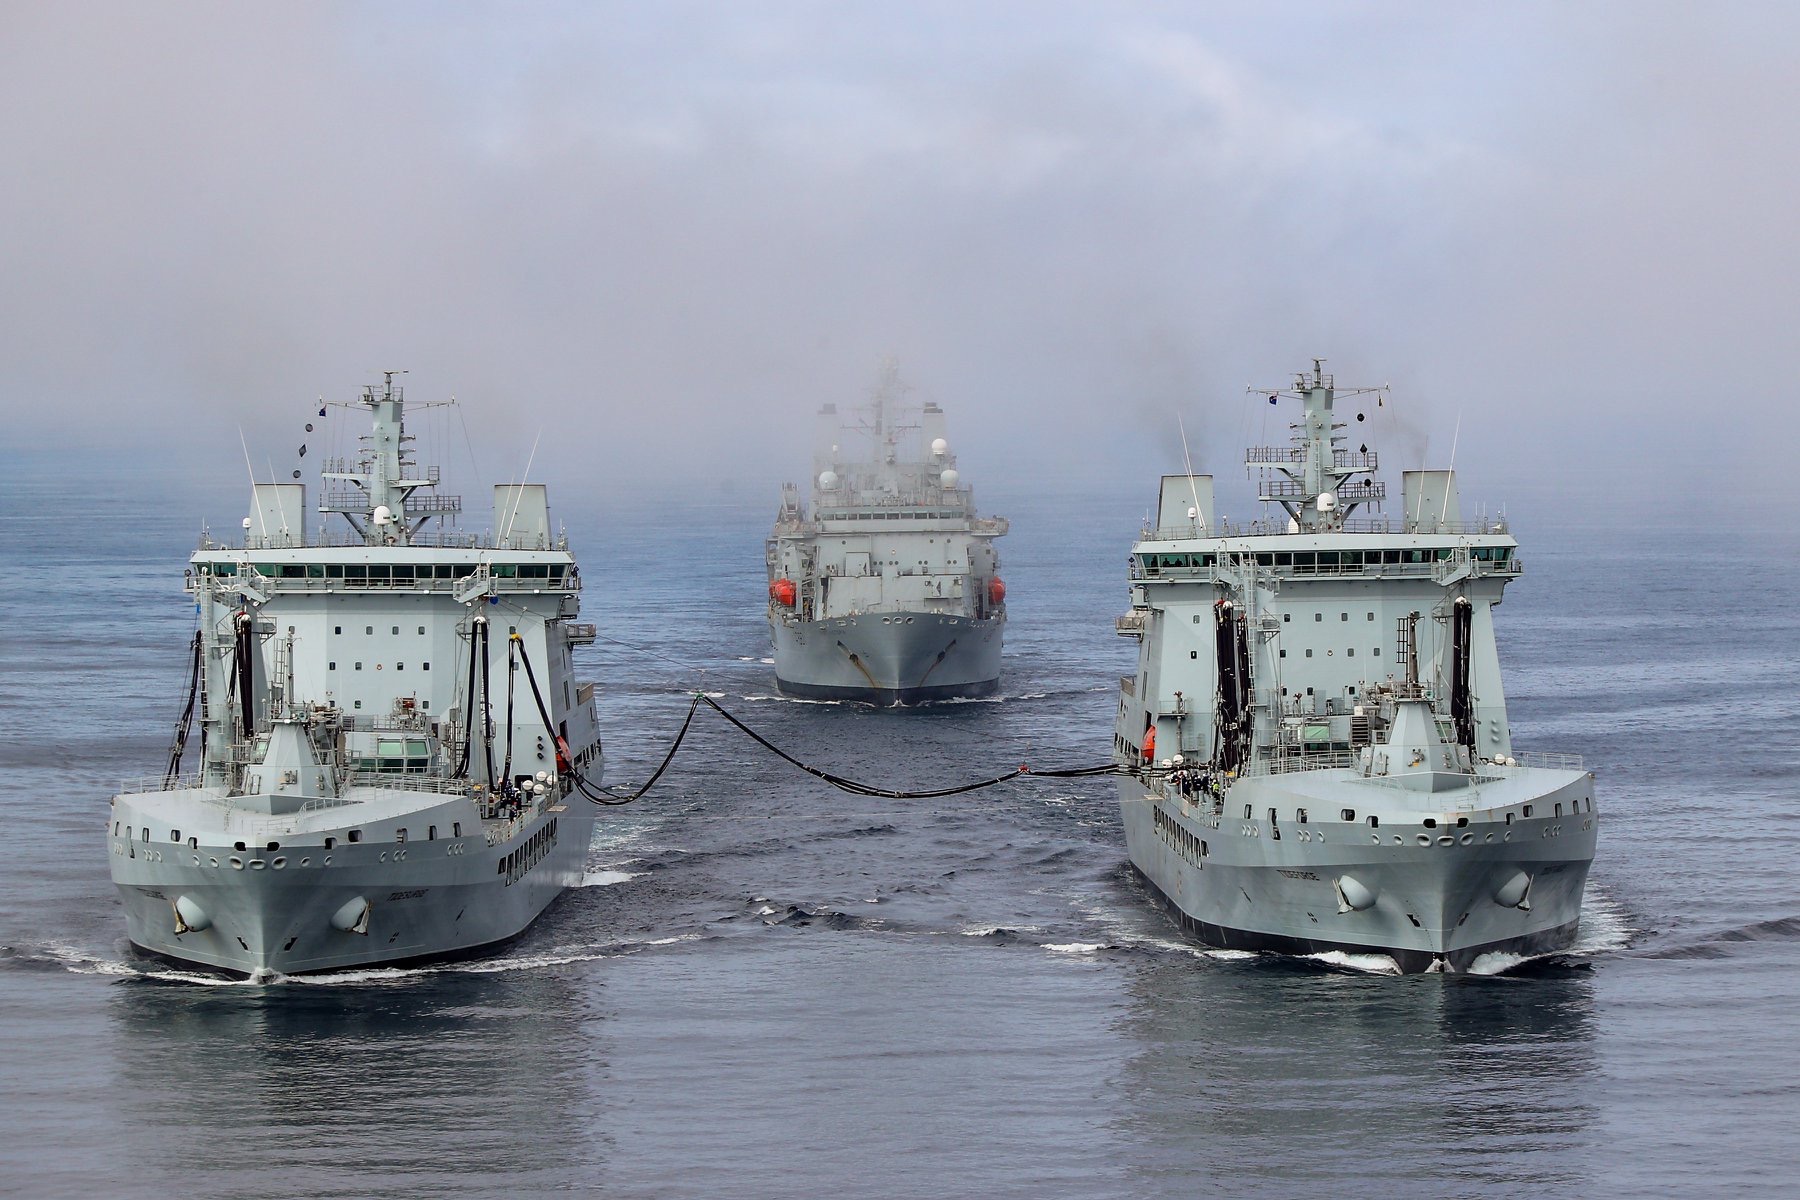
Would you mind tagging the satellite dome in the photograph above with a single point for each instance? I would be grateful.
(1193, 513)
(828, 481)
(940, 447)
(383, 515)
(1327, 501)
(949, 477)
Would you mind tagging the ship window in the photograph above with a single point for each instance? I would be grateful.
(1284, 654)
(1343, 616)
(1287, 617)
(502, 867)
(368, 629)
(1528, 810)
(193, 843)
(1309, 691)
(1431, 822)
(337, 629)
(315, 570)
(1349, 814)
(174, 835)
(331, 666)
(1328, 558)
(421, 629)
(505, 570)
(1350, 653)
(1246, 812)
(402, 571)
(456, 829)
(425, 666)
(1376, 652)
(1558, 810)
(1309, 653)
(396, 629)
(1305, 558)
(1318, 616)
(359, 666)
(431, 833)
(1374, 822)
(334, 570)
(1284, 559)
(1371, 616)
(1265, 560)
(1193, 654)
(115, 829)
(556, 570)
(356, 835)
(359, 704)
(1300, 816)
(400, 835)
(399, 666)
(355, 571)
(330, 842)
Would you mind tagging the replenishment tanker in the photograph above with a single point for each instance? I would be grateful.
(390, 730)
(1317, 730)
(888, 591)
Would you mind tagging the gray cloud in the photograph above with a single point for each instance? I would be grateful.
(662, 235)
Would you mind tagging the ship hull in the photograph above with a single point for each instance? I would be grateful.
(1430, 898)
(425, 900)
(889, 658)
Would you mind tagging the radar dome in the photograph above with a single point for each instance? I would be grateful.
(949, 477)
(828, 481)
(383, 515)
(1327, 501)
(1193, 513)
(940, 447)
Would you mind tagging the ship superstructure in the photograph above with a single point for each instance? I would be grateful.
(1317, 728)
(389, 729)
(888, 591)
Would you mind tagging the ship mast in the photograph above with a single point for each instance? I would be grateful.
(1311, 479)
(383, 509)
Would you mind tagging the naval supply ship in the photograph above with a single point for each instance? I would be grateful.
(889, 591)
(1317, 730)
(390, 729)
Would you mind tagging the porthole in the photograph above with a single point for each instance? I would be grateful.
(237, 864)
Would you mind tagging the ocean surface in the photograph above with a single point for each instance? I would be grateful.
(771, 989)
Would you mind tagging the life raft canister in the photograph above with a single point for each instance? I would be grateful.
(783, 592)
(996, 591)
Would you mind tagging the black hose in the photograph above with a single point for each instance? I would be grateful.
(186, 721)
(863, 789)
(487, 707)
(462, 768)
(602, 796)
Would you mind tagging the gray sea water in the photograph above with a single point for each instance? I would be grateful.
(771, 989)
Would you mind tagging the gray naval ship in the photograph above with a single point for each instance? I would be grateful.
(390, 730)
(889, 592)
(1317, 726)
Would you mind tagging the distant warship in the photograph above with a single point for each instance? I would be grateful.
(390, 731)
(889, 592)
(1317, 725)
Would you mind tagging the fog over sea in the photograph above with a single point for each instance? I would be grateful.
(767, 988)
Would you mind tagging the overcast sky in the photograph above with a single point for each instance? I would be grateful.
(659, 235)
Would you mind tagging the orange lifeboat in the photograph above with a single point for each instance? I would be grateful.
(996, 592)
(783, 592)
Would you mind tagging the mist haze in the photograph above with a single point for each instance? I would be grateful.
(658, 237)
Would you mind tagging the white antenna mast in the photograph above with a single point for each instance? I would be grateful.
(1450, 477)
(252, 473)
(1193, 487)
(519, 492)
